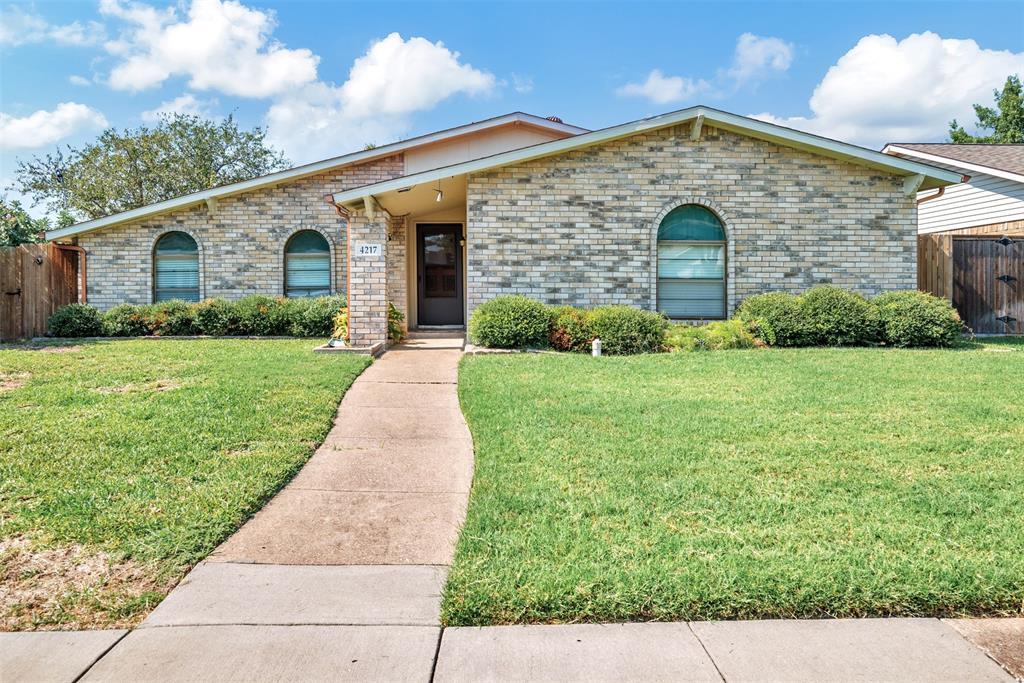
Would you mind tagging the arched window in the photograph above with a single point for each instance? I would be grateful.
(307, 265)
(691, 264)
(176, 268)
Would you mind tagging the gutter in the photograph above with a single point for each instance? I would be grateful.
(942, 191)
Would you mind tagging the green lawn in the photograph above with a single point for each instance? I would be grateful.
(123, 463)
(743, 484)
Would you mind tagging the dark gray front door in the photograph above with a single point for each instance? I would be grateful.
(439, 274)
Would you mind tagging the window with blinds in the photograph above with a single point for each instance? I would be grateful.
(176, 268)
(691, 264)
(307, 265)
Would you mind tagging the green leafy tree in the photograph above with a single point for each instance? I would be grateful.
(126, 169)
(16, 226)
(1006, 120)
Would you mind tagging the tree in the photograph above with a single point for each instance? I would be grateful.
(16, 226)
(1006, 121)
(127, 169)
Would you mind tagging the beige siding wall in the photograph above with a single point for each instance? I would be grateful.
(241, 242)
(580, 228)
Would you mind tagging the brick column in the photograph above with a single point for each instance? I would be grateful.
(397, 271)
(367, 296)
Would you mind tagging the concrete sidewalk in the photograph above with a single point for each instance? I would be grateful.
(339, 577)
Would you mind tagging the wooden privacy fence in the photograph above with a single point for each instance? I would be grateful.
(981, 274)
(35, 280)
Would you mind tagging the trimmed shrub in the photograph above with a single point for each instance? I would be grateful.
(777, 318)
(169, 318)
(625, 330)
(75, 320)
(127, 320)
(508, 322)
(716, 336)
(341, 325)
(839, 317)
(259, 315)
(570, 329)
(315, 317)
(913, 318)
(215, 317)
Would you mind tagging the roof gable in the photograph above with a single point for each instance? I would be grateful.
(551, 124)
(919, 175)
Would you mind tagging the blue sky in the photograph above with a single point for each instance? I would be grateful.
(328, 77)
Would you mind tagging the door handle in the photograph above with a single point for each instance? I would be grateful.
(14, 293)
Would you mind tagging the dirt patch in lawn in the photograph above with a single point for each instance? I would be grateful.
(72, 588)
(155, 386)
(9, 381)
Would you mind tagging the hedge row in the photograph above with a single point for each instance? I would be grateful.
(251, 316)
(823, 316)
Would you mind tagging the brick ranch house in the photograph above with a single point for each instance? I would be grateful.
(687, 213)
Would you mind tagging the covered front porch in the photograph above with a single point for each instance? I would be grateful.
(407, 247)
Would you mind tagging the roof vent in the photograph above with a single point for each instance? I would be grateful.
(555, 119)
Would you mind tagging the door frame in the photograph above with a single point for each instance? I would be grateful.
(414, 280)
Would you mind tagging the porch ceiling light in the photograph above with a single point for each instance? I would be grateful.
(440, 194)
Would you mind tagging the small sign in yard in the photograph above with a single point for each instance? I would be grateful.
(367, 249)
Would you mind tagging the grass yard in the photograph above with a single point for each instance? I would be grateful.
(743, 484)
(123, 463)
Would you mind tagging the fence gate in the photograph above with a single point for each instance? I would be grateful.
(988, 283)
(35, 280)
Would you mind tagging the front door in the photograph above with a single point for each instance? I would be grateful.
(439, 274)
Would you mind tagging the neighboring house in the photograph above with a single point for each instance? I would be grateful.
(687, 213)
(971, 236)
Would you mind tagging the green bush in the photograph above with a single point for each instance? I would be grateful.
(913, 318)
(314, 317)
(75, 320)
(625, 330)
(259, 315)
(215, 317)
(509, 322)
(839, 317)
(127, 320)
(570, 329)
(716, 336)
(170, 318)
(396, 332)
(777, 318)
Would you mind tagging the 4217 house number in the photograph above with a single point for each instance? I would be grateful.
(368, 250)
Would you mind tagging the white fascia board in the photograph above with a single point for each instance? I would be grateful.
(956, 163)
(938, 177)
(213, 193)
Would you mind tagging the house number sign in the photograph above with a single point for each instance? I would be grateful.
(367, 250)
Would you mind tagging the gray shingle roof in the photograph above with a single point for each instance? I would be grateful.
(1002, 157)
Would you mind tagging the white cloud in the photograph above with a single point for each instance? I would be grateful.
(20, 27)
(662, 89)
(82, 81)
(395, 78)
(522, 84)
(183, 104)
(46, 127)
(220, 45)
(884, 90)
(756, 58)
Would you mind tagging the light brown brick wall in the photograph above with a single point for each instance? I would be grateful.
(580, 228)
(241, 243)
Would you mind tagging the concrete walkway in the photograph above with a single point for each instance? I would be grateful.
(339, 578)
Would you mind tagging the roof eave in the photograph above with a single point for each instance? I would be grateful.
(305, 170)
(933, 177)
(894, 150)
